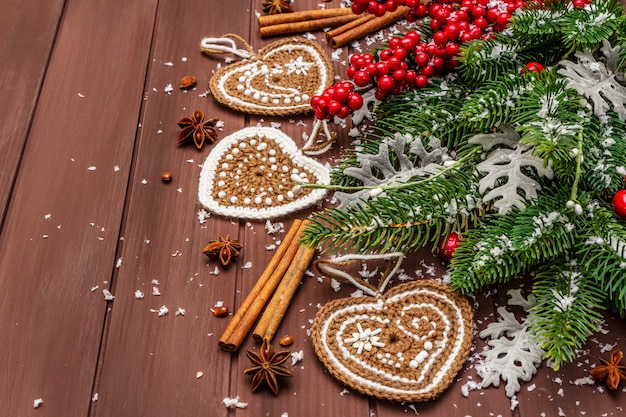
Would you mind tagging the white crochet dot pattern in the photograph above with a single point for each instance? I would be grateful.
(258, 173)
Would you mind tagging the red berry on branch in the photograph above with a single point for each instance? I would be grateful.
(421, 81)
(448, 245)
(503, 19)
(355, 101)
(532, 67)
(386, 84)
(619, 203)
(361, 78)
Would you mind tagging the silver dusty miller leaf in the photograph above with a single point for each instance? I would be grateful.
(514, 354)
(379, 169)
(506, 180)
(596, 81)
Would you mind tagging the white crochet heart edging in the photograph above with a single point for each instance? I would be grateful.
(210, 177)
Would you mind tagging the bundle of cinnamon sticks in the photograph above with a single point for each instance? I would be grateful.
(347, 26)
(304, 21)
(281, 277)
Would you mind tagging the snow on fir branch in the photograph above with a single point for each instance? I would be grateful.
(527, 136)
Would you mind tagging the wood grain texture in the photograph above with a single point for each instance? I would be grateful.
(163, 240)
(61, 230)
(86, 210)
(23, 62)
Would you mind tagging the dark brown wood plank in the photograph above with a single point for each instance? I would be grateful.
(28, 28)
(158, 358)
(58, 246)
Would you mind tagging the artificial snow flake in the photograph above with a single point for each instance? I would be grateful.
(514, 354)
(596, 82)
(234, 402)
(510, 164)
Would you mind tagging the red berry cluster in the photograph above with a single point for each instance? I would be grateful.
(409, 61)
(405, 64)
(338, 100)
(377, 8)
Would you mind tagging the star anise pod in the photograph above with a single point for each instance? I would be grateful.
(267, 367)
(612, 373)
(197, 128)
(224, 249)
(277, 6)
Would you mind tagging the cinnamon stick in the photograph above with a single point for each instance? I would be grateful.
(276, 309)
(344, 28)
(243, 320)
(368, 27)
(305, 25)
(277, 19)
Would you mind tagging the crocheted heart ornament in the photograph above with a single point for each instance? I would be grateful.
(406, 345)
(257, 173)
(279, 80)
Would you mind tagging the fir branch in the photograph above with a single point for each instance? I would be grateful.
(549, 119)
(483, 60)
(506, 246)
(602, 251)
(604, 163)
(566, 313)
(495, 103)
(404, 220)
(585, 28)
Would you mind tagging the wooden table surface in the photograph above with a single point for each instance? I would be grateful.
(86, 129)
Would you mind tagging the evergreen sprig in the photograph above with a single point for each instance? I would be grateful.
(567, 309)
(506, 246)
(405, 219)
(568, 234)
(602, 251)
(585, 28)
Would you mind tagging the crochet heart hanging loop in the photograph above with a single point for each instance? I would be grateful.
(336, 267)
(226, 45)
(313, 146)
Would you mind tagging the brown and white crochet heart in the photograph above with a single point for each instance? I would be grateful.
(405, 345)
(280, 80)
(258, 173)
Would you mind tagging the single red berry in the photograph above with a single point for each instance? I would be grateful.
(355, 101)
(479, 11)
(532, 67)
(448, 245)
(356, 9)
(619, 203)
(492, 13)
(422, 59)
(394, 43)
(361, 78)
(452, 49)
(452, 31)
(503, 19)
(343, 112)
(399, 75)
(334, 107)
(421, 81)
(481, 23)
(386, 83)
(440, 38)
(400, 53)
(383, 68)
